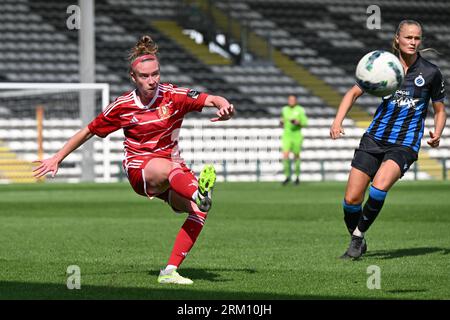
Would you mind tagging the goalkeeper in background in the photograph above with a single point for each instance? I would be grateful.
(293, 119)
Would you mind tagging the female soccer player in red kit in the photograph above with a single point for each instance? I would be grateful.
(151, 116)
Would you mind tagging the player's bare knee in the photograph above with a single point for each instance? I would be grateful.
(383, 183)
(353, 199)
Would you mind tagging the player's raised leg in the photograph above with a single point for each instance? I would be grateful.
(206, 182)
(387, 175)
(185, 184)
(162, 173)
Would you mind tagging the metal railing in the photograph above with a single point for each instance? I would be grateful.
(254, 168)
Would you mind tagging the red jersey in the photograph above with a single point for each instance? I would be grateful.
(150, 131)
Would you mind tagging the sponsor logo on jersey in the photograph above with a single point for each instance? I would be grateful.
(407, 102)
(134, 120)
(403, 100)
(193, 94)
(402, 92)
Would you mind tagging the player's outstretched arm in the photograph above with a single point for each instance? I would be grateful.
(51, 164)
(347, 102)
(226, 110)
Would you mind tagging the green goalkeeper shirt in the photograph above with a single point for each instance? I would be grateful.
(293, 113)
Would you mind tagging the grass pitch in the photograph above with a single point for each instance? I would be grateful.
(260, 241)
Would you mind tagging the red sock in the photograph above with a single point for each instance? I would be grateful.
(186, 237)
(183, 183)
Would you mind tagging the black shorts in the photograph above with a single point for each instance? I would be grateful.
(372, 153)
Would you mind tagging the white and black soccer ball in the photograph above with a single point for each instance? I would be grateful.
(379, 73)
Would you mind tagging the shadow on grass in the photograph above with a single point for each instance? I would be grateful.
(16, 290)
(192, 273)
(408, 252)
(407, 291)
(49, 291)
(208, 275)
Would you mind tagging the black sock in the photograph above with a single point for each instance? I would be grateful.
(372, 208)
(352, 214)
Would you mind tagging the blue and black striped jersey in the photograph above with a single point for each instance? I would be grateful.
(400, 118)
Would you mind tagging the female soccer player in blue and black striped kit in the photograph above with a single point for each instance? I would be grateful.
(392, 141)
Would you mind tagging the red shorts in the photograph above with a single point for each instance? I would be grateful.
(137, 180)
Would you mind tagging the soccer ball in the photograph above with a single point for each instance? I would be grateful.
(379, 73)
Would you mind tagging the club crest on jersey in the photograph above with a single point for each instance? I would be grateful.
(163, 111)
(419, 81)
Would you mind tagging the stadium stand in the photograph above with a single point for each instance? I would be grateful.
(328, 38)
(320, 36)
(333, 37)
